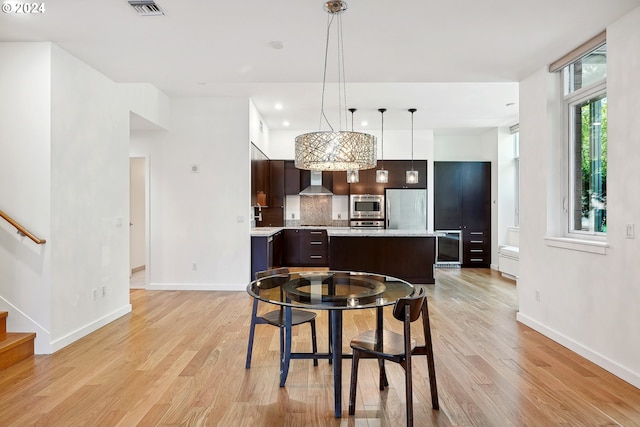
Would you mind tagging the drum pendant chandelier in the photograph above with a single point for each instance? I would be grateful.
(335, 150)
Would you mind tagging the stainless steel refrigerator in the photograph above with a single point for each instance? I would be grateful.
(406, 209)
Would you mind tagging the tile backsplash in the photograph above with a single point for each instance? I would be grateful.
(331, 211)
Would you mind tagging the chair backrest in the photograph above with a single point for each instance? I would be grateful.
(415, 306)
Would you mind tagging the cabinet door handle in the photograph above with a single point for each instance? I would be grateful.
(477, 259)
(477, 233)
(477, 241)
(316, 243)
(316, 257)
(477, 250)
(315, 232)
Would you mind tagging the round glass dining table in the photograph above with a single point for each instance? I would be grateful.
(334, 291)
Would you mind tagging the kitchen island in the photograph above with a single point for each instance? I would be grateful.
(407, 254)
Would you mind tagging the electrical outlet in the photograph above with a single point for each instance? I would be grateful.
(104, 291)
(631, 232)
(538, 295)
(94, 293)
(194, 266)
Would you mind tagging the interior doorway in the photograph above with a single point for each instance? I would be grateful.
(137, 222)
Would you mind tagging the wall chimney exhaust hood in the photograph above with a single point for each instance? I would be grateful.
(316, 188)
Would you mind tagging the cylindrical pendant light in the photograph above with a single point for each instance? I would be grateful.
(412, 175)
(382, 175)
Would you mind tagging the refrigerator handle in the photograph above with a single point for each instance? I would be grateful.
(387, 212)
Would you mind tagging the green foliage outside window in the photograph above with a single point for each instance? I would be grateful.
(594, 161)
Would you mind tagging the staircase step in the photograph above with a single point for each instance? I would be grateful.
(15, 347)
(3, 324)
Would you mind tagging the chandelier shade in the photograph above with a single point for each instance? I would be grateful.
(335, 150)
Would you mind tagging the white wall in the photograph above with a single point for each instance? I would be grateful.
(137, 217)
(506, 174)
(199, 218)
(588, 301)
(25, 123)
(89, 200)
(64, 138)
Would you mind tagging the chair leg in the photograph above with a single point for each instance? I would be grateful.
(252, 328)
(383, 375)
(330, 340)
(409, 390)
(314, 342)
(430, 360)
(354, 382)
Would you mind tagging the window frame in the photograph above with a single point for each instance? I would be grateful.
(569, 102)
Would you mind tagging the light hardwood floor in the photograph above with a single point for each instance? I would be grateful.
(178, 359)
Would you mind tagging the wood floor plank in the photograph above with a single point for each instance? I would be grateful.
(178, 359)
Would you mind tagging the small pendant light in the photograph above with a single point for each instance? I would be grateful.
(412, 175)
(382, 175)
(353, 175)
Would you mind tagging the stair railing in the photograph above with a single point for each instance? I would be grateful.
(21, 230)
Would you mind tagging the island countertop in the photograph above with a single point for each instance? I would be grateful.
(345, 231)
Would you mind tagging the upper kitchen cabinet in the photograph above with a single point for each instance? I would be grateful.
(277, 190)
(367, 183)
(260, 174)
(340, 185)
(397, 177)
(398, 173)
(291, 178)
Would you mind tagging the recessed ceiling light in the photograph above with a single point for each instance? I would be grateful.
(277, 44)
(364, 124)
(285, 123)
(278, 106)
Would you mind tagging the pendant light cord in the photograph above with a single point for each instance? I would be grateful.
(382, 110)
(342, 90)
(413, 110)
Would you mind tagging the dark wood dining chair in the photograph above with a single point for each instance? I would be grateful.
(384, 345)
(277, 317)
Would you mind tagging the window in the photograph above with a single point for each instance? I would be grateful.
(515, 132)
(585, 102)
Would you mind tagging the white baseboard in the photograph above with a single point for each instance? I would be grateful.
(616, 369)
(195, 287)
(87, 329)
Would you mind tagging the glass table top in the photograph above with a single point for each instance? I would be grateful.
(330, 290)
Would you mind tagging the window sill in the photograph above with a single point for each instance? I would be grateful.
(594, 247)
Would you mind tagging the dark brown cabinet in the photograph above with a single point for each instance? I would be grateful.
(291, 178)
(462, 201)
(276, 187)
(305, 248)
(409, 258)
(260, 177)
(397, 177)
(266, 252)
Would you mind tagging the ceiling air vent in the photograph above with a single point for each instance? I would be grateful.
(146, 7)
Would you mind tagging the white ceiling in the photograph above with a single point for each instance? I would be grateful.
(458, 62)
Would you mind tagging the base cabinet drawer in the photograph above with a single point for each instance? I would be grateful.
(476, 248)
(305, 248)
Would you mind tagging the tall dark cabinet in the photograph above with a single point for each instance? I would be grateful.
(462, 201)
